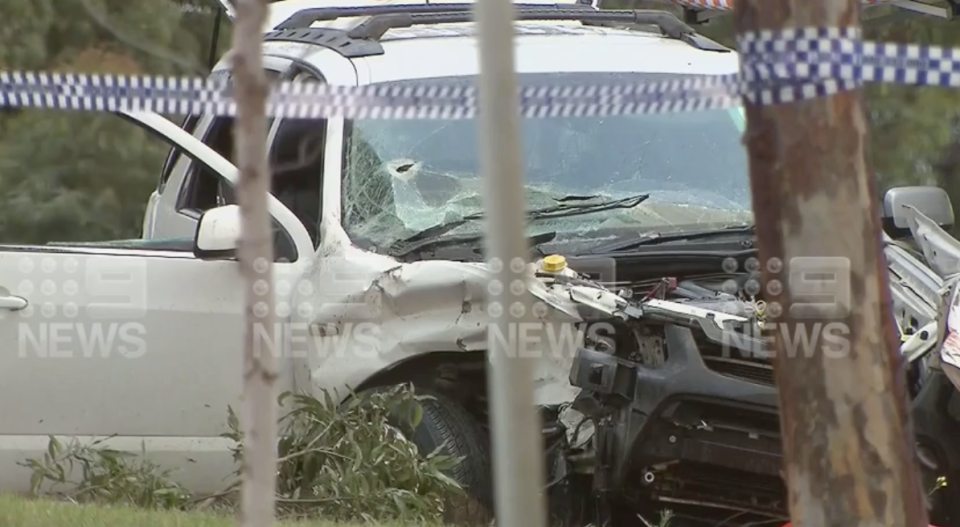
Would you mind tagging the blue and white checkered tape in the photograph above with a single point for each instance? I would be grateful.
(776, 67)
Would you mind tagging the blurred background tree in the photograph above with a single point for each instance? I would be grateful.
(81, 176)
(84, 176)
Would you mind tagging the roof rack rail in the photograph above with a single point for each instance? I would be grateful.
(385, 18)
(330, 38)
(304, 18)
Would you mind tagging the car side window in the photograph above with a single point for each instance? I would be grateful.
(202, 188)
(296, 161)
(284, 248)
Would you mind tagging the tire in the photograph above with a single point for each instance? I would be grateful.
(445, 420)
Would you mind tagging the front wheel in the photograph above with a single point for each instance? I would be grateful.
(446, 422)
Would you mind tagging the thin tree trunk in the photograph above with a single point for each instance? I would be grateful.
(848, 444)
(518, 466)
(255, 252)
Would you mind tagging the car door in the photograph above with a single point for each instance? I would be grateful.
(139, 340)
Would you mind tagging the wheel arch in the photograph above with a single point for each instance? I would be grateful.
(459, 374)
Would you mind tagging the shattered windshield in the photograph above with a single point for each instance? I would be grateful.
(404, 176)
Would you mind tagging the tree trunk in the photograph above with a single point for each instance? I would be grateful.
(518, 466)
(848, 444)
(255, 252)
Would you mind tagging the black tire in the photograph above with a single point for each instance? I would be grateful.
(446, 422)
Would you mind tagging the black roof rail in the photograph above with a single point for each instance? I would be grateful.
(671, 26)
(363, 40)
(330, 38)
(306, 17)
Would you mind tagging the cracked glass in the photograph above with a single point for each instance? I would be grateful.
(403, 176)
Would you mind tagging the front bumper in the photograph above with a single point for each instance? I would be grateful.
(657, 415)
(697, 410)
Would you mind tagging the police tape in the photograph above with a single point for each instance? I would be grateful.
(776, 67)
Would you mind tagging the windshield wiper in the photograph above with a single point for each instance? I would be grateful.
(534, 241)
(655, 238)
(564, 208)
(573, 206)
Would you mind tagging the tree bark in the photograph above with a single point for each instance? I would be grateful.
(848, 444)
(255, 252)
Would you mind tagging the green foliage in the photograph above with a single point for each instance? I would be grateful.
(353, 463)
(339, 463)
(106, 476)
(80, 176)
(59, 183)
(161, 35)
(913, 129)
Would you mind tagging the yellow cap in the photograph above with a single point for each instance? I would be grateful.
(554, 263)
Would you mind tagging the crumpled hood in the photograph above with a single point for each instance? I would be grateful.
(368, 312)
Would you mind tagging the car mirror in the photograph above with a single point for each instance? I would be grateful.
(932, 202)
(217, 233)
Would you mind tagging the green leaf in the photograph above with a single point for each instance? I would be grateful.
(53, 447)
(36, 479)
(417, 416)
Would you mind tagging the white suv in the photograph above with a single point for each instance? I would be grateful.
(379, 278)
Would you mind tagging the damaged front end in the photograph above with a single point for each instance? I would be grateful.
(372, 317)
(685, 412)
(661, 396)
(627, 386)
(684, 407)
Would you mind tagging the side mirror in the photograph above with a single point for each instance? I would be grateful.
(932, 202)
(217, 233)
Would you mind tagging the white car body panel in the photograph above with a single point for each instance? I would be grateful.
(150, 215)
(576, 49)
(163, 370)
(145, 345)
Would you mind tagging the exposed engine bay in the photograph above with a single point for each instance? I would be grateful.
(666, 398)
(682, 401)
(679, 396)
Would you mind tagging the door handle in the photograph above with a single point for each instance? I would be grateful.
(12, 303)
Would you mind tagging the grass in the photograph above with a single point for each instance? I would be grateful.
(24, 512)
